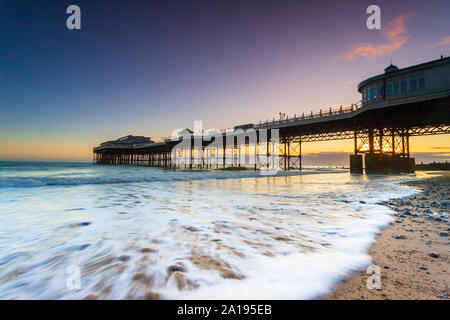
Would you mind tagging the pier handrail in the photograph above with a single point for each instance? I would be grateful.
(313, 115)
(321, 114)
(296, 119)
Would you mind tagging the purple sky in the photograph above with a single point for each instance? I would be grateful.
(149, 67)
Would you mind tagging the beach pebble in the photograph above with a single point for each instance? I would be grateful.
(79, 248)
(400, 237)
(423, 268)
(124, 257)
(438, 216)
(150, 295)
(192, 229)
(434, 255)
(140, 277)
(80, 224)
(178, 267)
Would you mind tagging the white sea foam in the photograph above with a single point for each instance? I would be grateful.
(114, 174)
(234, 234)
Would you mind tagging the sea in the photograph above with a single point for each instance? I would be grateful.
(82, 231)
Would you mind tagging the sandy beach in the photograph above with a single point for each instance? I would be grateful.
(412, 253)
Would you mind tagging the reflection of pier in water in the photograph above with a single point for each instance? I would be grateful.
(396, 105)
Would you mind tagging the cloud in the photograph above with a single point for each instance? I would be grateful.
(396, 35)
(444, 41)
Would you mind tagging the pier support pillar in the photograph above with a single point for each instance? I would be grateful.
(224, 155)
(377, 163)
(356, 163)
(384, 164)
(288, 155)
(412, 165)
(300, 154)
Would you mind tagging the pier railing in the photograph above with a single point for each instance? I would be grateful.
(326, 113)
(285, 120)
(313, 115)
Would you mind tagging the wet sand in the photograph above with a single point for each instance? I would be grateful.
(413, 252)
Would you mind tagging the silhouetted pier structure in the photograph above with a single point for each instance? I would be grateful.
(395, 105)
(433, 166)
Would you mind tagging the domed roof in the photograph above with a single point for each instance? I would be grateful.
(390, 68)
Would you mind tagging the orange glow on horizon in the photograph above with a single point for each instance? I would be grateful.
(53, 149)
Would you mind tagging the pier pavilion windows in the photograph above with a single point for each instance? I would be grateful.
(413, 83)
(403, 85)
(417, 82)
(396, 86)
(421, 81)
(368, 94)
(388, 87)
(374, 91)
(380, 90)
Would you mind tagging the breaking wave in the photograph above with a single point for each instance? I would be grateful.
(186, 235)
(38, 176)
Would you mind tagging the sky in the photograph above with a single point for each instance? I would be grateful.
(149, 67)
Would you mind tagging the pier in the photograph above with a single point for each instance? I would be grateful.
(395, 105)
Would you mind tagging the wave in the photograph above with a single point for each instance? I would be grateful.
(138, 176)
(295, 239)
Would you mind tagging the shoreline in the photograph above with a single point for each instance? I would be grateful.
(412, 252)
